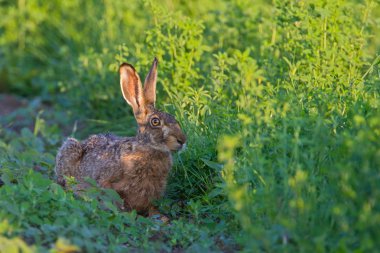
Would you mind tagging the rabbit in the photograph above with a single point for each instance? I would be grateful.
(135, 167)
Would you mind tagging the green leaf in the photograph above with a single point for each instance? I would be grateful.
(213, 165)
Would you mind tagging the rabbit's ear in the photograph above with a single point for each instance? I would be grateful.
(150, 84)
(131, 87)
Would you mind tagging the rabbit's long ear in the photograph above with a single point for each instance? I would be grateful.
(150, 84)
(131, 87)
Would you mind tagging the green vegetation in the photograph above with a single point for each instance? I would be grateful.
(280, 101)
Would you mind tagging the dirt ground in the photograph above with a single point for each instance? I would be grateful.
(10, 116)
(10, 103)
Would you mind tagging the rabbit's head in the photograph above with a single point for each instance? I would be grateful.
(156, 127)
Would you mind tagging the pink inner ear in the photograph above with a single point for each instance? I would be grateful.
(131, 87)
(123, 83)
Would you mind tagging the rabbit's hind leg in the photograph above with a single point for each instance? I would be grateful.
(67, 160)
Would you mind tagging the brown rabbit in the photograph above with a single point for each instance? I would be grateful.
(135, 167)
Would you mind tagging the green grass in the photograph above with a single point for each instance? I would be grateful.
(279, 99)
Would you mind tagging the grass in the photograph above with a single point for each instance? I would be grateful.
(280, 102)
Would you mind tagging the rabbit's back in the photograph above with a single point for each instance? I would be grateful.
(101, 156)
(96, 157)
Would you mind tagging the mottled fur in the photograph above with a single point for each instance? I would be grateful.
(135, 167)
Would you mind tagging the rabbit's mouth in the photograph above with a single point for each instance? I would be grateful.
(183, 148)
(175, 144)
(182, 145)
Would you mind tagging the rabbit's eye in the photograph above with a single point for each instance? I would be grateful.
(155, 122)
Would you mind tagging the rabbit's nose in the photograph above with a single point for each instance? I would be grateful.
(181, 139)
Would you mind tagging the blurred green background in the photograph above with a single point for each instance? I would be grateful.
(279, 99)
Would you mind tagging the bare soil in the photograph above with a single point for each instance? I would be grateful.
(10, 103)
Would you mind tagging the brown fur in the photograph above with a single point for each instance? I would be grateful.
(135, 167)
